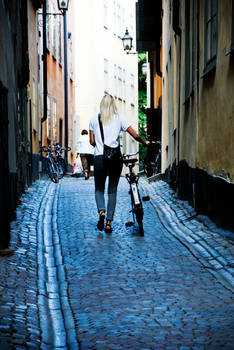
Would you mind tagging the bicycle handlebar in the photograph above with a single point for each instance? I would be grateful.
(56, 147)
(129, 155)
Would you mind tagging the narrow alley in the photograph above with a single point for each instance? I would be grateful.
(70, 286)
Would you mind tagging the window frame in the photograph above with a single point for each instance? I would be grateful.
(54, 120)
(231, 49)
(48, 124)
(106, 75)
(187, 50)
(54, 22)
(132, 89)
(210, 31)
(59, 22)
(34, 118)
(105, 14)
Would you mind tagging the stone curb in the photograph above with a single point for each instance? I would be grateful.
(198, 234)
(56, 319)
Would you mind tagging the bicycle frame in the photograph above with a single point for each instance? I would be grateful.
(136, 202)
(55, 166)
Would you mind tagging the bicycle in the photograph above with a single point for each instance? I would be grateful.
(51, 166)
(136, 200)
(55, 164)
(152, 162)
(62, 167)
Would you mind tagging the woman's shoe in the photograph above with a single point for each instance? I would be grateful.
(100, 224)
(108, 228)
(86, 175)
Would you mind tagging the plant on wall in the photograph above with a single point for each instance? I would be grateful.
(142, 101)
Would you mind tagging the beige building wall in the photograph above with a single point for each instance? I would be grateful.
(101, 63)
(33, 86)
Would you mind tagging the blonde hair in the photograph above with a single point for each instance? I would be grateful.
(108, 108)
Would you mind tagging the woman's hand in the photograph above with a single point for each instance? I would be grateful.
(137, 137)
(147, 143)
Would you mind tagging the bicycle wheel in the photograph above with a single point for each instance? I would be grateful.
(52, 170)
(147, 169)
(61, 167)
(139, 219)
(158, 164)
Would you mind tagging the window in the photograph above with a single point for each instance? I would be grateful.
(119, 19)
(34, 105)
(54, 120)
(131, 28)
(132, 89)
(105, 75)
(59, 40)
(210, 35)
(122, 24)
(115, 81)
(119, 22)
(124, 85)
(231, 50)
(47, 27)
(187, 49)
(120, 87)
(232, 45)
(105, 13)
(70, 58)
(115, 17)
(48, 118)
(54, 34)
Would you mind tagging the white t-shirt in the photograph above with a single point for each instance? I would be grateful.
(83, 145)
(111, 132)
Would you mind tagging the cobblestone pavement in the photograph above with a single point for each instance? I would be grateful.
(69, 286)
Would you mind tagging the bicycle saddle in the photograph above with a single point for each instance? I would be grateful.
(130, 160)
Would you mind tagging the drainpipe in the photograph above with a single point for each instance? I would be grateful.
(44, 58)
(44, 69)
(65, 85)
(177, 30)
(30, 140)
(158, 59)
(178, 135)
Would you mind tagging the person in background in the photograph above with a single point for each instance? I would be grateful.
(113, 124)
(85, 150)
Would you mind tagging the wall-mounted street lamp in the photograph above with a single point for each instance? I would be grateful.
(127, 43)
(63, 5)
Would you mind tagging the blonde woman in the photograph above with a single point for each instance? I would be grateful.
(112, 124)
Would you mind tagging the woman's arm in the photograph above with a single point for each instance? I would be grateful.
(137, 137)
(91, 138)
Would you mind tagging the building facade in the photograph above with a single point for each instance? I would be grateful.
(103, 66)
(195, 48)
(54, 128)
(198, 108)
(15, 161)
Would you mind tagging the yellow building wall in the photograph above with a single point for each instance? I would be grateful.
(33, 82)
(215, 117)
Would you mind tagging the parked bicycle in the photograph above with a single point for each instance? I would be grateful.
(136, 200)
(152, 162)
(62, 167)
(55, 164)
(51, 166)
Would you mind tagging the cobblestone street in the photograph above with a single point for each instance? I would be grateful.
(70, 286)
